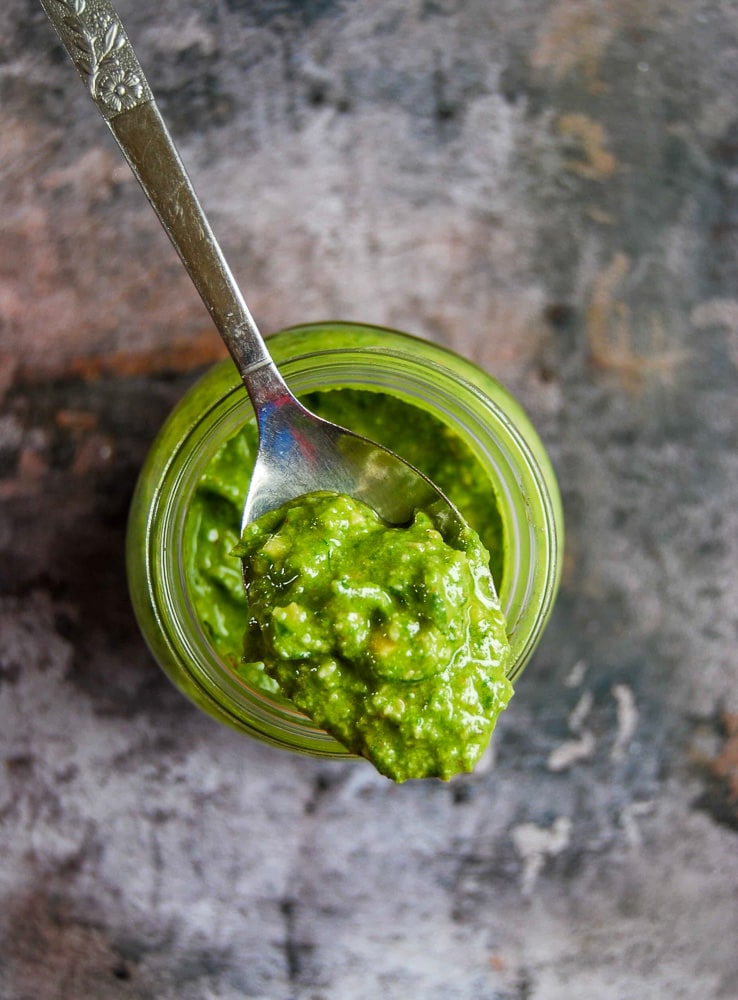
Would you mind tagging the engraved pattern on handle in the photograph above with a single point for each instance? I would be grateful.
(92, 34)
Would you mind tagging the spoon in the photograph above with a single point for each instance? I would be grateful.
(298, 452)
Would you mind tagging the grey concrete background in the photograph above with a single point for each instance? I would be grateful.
(549, 187)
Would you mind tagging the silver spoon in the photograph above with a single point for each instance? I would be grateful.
(298, 452)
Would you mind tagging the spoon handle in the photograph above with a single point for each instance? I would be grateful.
(95, 39)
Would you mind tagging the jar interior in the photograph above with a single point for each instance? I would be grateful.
(518, 488)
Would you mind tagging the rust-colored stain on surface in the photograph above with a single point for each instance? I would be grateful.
(610, 333)
(576, 34)
(720, 795)
(596, 162)
(178, 356)
(724, 766)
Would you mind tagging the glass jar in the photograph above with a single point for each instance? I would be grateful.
(315, 357)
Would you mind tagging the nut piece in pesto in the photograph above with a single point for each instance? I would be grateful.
(390, 638)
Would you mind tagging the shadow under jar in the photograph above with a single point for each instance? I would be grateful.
(519, 499)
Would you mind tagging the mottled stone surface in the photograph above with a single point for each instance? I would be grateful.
(550, 187)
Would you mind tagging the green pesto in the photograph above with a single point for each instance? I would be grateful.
(213, 524)
(390, 638)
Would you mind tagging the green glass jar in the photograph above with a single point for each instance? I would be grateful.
(319, 357)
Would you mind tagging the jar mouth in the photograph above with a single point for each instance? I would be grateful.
(485, 417)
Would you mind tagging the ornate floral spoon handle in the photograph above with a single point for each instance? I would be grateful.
(94, 37)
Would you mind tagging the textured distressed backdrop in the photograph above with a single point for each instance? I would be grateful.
(550, 187)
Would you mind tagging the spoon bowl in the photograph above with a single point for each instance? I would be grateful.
(301, 453)
(298, 452)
